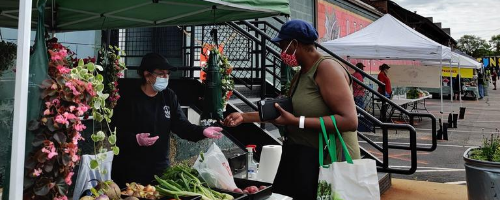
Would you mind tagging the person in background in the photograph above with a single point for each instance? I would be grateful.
(358, 90)
(457, 87)
(320, 89)
(382, 77)
(494, 79)
(487, 80)
(144, 118)
(480, 83)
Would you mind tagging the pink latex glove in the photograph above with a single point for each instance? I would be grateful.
(143, 139)
(213, 132)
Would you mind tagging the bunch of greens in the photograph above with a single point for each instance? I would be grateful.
(181, 180)
(324, 190)
(489, 151)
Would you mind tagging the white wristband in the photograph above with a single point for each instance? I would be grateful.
(302, 120)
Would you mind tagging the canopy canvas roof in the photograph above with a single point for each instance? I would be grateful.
(457, 60)
(388, 39)
(68, 15)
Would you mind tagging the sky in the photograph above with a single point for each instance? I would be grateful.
(464, 17)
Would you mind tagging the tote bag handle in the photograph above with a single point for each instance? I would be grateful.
(330, 144)
(344, 147)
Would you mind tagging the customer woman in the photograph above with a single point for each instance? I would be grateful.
(320, 89)
(382, 77)
(144, 118)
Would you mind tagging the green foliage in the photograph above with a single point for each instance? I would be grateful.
(7, 55)
(489, 151)
(474, 46)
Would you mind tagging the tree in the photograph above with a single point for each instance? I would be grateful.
(495, 44)
(474, 46)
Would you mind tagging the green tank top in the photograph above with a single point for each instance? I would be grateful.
(307, 101)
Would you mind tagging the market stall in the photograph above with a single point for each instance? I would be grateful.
(85, 15)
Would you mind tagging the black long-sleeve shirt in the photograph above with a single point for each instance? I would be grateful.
(159, 115)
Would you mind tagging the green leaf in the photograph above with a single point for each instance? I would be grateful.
(80, 62)
(91, 67)
(94, 164)
(99, 78)
(99, 88)
(101, 156)
(116, 150)
(105, 96)
(101, 135)
(98, 117)
(112, 139)
(43, 190)
(60, 137)
(97, 105)
(33, 125)
(104, 172)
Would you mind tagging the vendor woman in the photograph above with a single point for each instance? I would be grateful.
(144, 118)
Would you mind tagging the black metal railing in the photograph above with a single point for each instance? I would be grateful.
(383, 164)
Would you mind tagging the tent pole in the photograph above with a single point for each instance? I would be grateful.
(441, 88)
(451, 87)
(460, 82)
(20, 101)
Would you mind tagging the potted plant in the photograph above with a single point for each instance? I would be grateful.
(482, 169)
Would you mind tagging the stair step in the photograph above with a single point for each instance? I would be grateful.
(384, 181)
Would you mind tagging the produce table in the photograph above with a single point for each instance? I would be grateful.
(408, 103)
(471, 90)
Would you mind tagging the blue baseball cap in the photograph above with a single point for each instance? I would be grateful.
(297, 29)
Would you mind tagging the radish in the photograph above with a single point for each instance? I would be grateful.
(238, 190)
(245, 191)
(262, 187)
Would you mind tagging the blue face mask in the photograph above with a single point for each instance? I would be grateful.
(160, 84)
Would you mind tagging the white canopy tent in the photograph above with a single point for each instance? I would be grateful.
(457, 60)
(388, 39)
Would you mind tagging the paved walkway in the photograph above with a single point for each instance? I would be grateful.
(418, 190)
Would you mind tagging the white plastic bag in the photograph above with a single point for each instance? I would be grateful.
(214, 169)
(350, 180)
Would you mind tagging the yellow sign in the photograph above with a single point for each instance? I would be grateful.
(464, 72)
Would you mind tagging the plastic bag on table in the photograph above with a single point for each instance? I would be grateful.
(214, 169)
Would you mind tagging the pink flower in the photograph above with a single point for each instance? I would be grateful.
(55, 102)
(50, 150)
(37, 172)
(48, 104)
(69, 116)
(64, 197)
(61, 120)
(47, 112)
(54, 87)
(72, 108)
(62, 69)
(72, 87)
(82, 108)
(75, 158)
(68, 178)
(79, 127)
(119, 74)
(90, 89)
(63, 52)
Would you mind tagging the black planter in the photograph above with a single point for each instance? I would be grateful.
(462, 113)
(455, 120)
(483, 178)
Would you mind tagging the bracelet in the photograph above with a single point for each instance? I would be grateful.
(302, 120)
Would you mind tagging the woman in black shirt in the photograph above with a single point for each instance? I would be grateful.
(145, 116)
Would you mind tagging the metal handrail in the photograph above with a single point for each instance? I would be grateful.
(386, 146)
(410, 114)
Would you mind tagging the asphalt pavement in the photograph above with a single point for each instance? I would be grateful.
(445, 164)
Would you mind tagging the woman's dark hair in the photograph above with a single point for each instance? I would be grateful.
(383, 66)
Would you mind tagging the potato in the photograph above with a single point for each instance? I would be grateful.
(87, 198)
